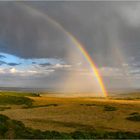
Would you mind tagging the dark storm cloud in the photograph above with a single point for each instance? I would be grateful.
(109, 31)
(28, 36)
(99, 26)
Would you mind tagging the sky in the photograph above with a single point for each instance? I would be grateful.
(35, 52)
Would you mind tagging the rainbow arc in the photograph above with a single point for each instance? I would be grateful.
(77, 44)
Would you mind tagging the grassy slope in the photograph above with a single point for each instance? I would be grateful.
(12, 129)
(19, 94)
(10, 100)
(70, 114)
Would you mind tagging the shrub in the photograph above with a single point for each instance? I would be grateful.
(109, 108)
(134, 113)
(134, 118)
(88, 104)
(3, 124)
(3, 118)
(3, 128)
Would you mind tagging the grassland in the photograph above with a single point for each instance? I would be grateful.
(74, 114)
(13, 129)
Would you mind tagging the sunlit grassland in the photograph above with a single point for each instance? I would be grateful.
(18, 93)
(71, 114)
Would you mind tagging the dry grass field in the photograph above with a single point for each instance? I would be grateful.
(71, 114)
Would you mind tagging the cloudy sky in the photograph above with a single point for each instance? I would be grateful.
(36, 52)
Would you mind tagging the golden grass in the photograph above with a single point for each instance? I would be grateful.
(78, 114)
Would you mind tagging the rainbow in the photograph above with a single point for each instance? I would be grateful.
(75, 41)
(91, 63)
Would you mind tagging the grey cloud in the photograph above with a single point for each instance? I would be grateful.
(29, 36)
(45, 64)
(99, 26)
(13, 64)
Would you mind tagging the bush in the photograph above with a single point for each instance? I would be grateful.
(134, 113)
(3, 124)
(109, 108)
(3, 128)
(3, 118)
(81, 135)
(88, 104)
(134, 118)
(105, 135)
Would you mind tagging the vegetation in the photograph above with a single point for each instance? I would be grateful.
(2, 108)
(88, 104)
(15, 100)
(105, 135)
(134, 113)
(18, 93)
(12, 129)
(134, 117)
(37, 106)
(72, 114)
(3, 125)
(109, 108)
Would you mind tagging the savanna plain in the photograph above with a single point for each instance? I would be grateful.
(68, 117)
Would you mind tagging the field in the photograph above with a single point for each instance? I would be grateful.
(72, 114)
